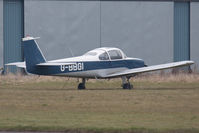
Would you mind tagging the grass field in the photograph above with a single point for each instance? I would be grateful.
(158, 104)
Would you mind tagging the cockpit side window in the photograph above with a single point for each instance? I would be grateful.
(103, 56)
(115, 54)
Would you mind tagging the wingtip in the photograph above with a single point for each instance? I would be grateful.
(190, 62)
(187, 62)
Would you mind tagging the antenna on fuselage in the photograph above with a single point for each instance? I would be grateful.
(71, 52)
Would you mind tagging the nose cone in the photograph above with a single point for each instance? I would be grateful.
(141, 62)
(144, 65)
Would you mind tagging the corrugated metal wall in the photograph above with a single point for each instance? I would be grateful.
(141, 29)
(181, 31)
(13, 29)
(194, 38)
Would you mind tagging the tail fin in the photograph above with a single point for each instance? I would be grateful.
(32, 54)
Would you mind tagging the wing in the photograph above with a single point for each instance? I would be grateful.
(18, 64)
(150, 68)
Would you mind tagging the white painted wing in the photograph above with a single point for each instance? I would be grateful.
(18, 64)
(150, 68)
(55, 63)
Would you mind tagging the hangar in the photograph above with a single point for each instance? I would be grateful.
(158, 31)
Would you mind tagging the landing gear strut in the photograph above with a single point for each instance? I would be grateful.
(81, 86)
(126, 84)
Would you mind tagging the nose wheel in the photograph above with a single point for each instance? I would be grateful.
(81, 86)
(126, 84)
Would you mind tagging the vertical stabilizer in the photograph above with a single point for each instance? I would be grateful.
(32, 54)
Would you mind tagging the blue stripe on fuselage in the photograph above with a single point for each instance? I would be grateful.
(89, 65)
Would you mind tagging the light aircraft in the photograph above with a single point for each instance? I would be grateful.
(102, 63)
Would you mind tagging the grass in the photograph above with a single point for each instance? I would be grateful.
(158, 104)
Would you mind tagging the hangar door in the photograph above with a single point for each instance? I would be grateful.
(67, 28)
(13, 30)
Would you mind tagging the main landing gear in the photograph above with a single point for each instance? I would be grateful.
(125, 83)
(81, 86)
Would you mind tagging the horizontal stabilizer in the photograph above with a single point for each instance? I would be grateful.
(18, 64)
(151, 68)
(54, 63)
(28, 38)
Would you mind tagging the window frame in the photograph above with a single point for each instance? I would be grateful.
(104, 53)
(122, 57)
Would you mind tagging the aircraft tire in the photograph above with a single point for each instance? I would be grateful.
(127, 86)
(81, 86)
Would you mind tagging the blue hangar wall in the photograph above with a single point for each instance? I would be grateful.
(141, 29)
(1, 34)
(13, 28)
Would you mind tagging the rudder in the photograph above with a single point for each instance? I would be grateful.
(32, 54)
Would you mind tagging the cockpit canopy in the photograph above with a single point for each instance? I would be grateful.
(104, 56)
(106, 53)
(91, 53)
